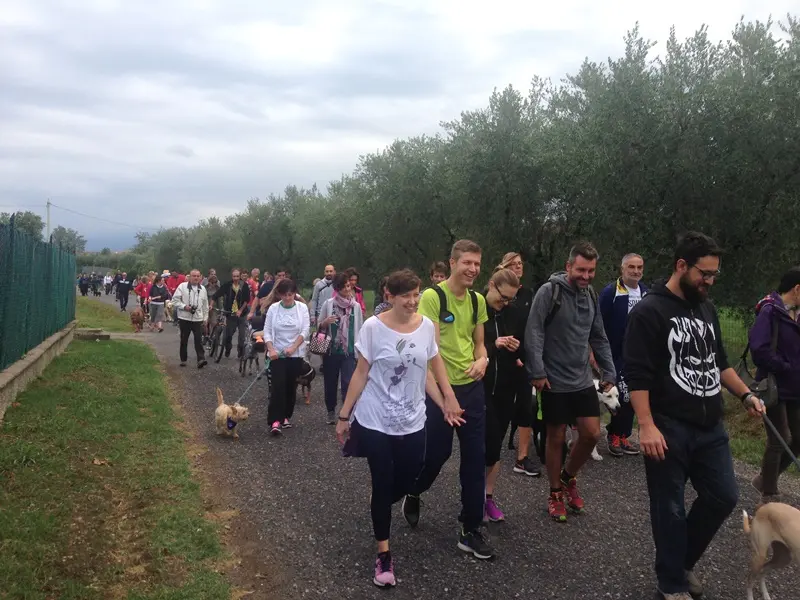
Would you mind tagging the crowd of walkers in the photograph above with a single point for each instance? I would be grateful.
(447, 360)
(450, 360)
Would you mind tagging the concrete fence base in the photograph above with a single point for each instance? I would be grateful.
(16, 378)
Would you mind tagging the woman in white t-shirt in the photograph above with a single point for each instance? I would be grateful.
(388, 391)
(286, 329)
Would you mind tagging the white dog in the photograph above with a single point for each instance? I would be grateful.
(610, 400)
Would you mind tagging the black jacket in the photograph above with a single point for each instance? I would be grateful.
(502, 369)
(674, 350)
(226, 293)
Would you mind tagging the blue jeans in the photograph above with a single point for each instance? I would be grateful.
(703, 457)
(334, 365)
(472, 438)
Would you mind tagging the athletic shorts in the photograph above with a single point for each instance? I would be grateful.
(564, 408)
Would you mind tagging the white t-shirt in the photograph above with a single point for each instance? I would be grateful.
(634, 295)
(282, 326)
(393, 401)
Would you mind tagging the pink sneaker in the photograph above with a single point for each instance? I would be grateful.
(286, 424)
(384, 570)
(276, 428)
(492, 513)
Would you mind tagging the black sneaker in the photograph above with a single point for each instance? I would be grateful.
(331, 418)
(526, 466)
(201, 363)
(476, 543)
(183, 363)
(411, 509)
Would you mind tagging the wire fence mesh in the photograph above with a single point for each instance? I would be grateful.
(37, 297)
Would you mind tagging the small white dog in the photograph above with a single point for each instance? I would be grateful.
(610, 400)
(228, 416)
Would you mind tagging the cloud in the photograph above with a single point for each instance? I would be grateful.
(189, 108)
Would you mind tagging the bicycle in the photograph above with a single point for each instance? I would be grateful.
(216, 339)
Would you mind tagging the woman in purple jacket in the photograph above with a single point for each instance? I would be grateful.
(779, 309)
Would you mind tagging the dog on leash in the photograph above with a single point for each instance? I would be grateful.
(610, 400)
(307, 375)
(228, 416)
(775, 526)
(137, 319)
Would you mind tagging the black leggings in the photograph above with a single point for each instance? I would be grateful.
(500, 408)
(395, 462)
(283, 376)
(786, 418)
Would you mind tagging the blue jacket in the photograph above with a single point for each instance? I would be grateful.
(613, 302)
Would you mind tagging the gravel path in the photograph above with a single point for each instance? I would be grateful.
(304, 516)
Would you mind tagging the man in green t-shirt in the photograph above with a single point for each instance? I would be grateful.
(458, 314)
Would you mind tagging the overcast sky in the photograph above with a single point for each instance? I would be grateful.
(162, 113)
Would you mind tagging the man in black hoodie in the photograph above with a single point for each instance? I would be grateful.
(676, 367)
(235, 299)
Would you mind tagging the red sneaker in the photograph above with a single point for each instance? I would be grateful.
(574, 500)
(556, 508)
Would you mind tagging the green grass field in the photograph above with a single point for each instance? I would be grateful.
(97, 497)
(92, 313)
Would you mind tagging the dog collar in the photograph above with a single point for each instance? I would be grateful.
(231, 423)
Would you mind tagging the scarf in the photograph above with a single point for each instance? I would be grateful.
(345, 306)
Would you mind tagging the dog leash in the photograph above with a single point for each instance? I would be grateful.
(781, 440)
(256, 378)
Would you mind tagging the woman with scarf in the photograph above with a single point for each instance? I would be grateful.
(341, 316)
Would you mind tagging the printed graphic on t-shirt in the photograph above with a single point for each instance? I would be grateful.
(403, 402)
(634, 295)
(692, 347)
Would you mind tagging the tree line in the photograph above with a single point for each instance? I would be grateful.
(32, 224)
(627, 153)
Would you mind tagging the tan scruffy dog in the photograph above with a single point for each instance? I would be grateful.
(137, 319)
(228, 417)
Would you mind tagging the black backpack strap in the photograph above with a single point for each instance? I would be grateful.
(555, 305)
(474, 297)
(442, 300)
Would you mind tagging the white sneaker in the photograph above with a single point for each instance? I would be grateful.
(695, 587)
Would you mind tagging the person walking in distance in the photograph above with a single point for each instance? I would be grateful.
(341, 316)
(459, 314)
(190, 301)
(617, 300)
(564, 324)
(322, 292)
(286, 329)
(525, 407)
(675, 367)
(235, 296)
(388, 391)
(124, 286)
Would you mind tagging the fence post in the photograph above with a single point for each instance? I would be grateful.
(9, 286)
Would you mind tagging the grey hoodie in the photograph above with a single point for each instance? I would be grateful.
(561, 353)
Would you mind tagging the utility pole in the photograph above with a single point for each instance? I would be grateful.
(48, 219)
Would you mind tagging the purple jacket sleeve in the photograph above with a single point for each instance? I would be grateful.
(761, 342)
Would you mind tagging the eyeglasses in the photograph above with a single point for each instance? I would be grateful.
(707, 275)
(505, 299)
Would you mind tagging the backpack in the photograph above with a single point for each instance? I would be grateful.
(555, 304)
(445, 316)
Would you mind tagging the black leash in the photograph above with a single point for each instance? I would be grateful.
(781, 440)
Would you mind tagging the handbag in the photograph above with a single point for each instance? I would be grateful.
(767, 388)
(320, 343)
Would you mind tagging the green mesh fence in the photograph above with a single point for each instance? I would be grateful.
(37, 294)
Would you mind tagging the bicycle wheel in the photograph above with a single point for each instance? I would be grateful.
(220, 347)
(213, 341)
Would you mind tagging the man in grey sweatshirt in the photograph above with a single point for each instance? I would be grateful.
(564, 323)
(323, 290)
